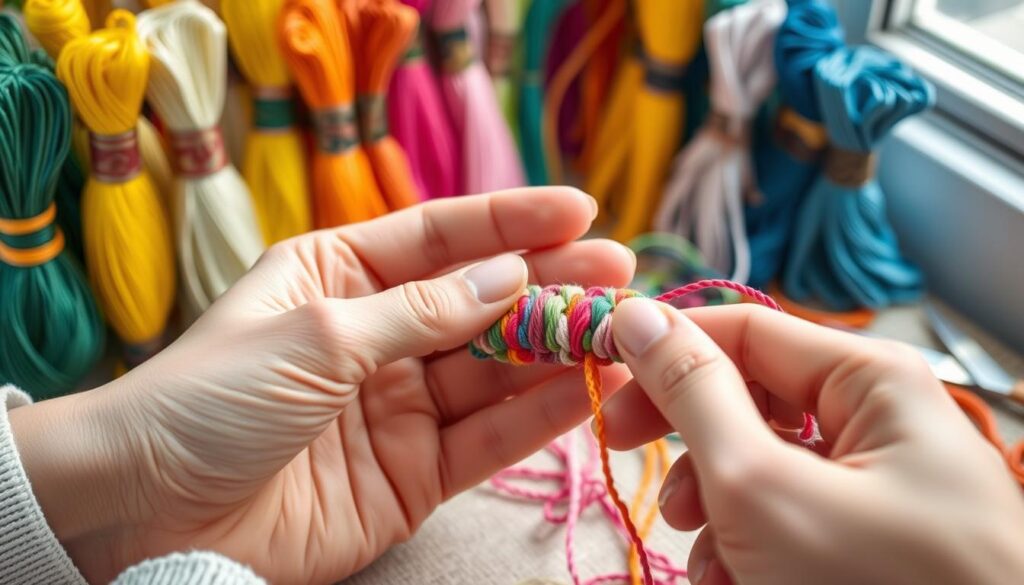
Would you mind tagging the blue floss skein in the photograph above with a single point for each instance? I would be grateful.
(810, 32)
(844, 252)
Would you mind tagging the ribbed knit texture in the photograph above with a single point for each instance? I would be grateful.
(196, 568)
(29, 551)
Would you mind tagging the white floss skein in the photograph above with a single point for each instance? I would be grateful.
(703, 200)
(218, 237)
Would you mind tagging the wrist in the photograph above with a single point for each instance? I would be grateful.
(76, 456)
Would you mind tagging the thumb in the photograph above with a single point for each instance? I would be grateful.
(691, 381)
(421, 317)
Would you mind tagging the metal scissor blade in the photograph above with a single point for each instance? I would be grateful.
(987, 374)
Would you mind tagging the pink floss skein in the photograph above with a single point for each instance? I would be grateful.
(419, 121)
(490, 160)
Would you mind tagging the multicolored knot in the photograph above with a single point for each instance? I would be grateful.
(555, 324)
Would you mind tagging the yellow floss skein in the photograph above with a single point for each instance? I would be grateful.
(671, 33)
(56, 22)
(127, 237)
(274, 164)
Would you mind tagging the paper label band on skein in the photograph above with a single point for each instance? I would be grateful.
(272, 109)
(31, 241)
(336, 130)
(500, 47)
(373, 117)
(199, 153)
(849, 168)
(115, 158)
(456, 51)
(730, 130)
(803, 139)
(664, 77)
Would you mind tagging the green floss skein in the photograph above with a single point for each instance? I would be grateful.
(540, 19)
(71, 180)
(51, 333)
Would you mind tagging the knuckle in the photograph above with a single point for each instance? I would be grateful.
(737, 477)
(429, 305)
(687, 366)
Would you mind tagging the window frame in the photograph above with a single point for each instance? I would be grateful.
(969, 92)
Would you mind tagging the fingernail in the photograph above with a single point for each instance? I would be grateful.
(497, 278)
(639, 325)
(668, 489)
(699, 568)
(593, 207)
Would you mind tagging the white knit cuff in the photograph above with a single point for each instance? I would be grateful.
(194, 568)
(29, 551)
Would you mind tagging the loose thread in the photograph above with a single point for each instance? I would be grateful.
(593, 378)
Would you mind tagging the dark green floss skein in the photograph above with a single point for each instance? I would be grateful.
(51, 333)
(72, 178)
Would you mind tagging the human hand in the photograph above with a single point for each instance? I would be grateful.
(909, 492)
(311, 419)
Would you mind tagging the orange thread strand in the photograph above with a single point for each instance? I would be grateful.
(593, 379)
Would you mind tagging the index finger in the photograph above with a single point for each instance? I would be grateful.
(428, 238)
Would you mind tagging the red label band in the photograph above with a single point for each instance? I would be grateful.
(200, 153)
(115, 158)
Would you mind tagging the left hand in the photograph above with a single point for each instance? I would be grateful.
(308, 420)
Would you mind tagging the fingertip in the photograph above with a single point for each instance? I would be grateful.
(497, 279)
(639, 323)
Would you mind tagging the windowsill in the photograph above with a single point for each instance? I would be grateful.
(958, 206)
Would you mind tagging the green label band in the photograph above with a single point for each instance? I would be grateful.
(272, 113)
(456, 51)
(373, 117)
(336, 130)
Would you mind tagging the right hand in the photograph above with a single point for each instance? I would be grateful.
(908, 492)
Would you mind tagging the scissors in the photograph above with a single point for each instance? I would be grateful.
(978, 373)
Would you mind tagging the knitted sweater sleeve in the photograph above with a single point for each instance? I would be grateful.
(31, 553)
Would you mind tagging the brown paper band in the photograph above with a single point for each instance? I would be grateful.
(335, 129)
(731, 131)
(115, 158)
(199, 153)
(373, 117)
(456, 51)
(500, 47)
(849, 168)
(803, 139)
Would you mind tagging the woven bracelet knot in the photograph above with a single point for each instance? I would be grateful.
(555, 324)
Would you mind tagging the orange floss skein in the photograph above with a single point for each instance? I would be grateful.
(315, 39)
(385, 30)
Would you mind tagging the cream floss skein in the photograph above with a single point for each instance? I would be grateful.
(218, 236)
(703, 200)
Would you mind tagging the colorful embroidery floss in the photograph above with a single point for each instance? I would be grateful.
(569, 325)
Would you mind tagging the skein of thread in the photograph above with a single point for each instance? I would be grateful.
(71, 179)
(97, 10)
(599, 72)
(315, 41)
(608, 153)
(127, 236)
(569, 31)
(670, 30)
(570, 70)
(274, 164)
(419, 121)
(540, 20)
(490, 160)
(844, 251)
(787, 163)
(504, 22)
(386, 28)
(713, 175)
(54, 23)
(217, 234)
(51, 333)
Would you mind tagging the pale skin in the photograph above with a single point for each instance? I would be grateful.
(325, 405)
